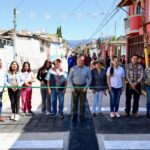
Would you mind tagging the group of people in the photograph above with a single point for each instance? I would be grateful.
(133, 78)
(53, 84)
(14, 80)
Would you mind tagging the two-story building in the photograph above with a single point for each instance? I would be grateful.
(137, 25)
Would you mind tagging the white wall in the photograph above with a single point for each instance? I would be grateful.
(55, 51)
(6, 55)
(29, 50)
(123, 50)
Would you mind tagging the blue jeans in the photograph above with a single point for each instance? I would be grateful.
(1, 103)
(115, 99)
(97, 101)
(147, 89)
(60, 95)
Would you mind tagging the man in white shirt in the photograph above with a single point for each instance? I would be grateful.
(1, 89)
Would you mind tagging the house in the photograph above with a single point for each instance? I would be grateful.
(32, 47)
(110, 47)
(137, 26)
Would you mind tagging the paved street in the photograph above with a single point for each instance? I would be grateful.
(100, 132)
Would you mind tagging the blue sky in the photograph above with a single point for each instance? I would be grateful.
(78, 18)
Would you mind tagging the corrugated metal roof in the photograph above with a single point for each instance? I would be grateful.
(46, 37)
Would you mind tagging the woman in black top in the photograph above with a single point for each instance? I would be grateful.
(46, 100)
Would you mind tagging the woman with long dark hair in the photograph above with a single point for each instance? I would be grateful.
(14, 79)
(116, 82)
(26, 92)
(46, 99)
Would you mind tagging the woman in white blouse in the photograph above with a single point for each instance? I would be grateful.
(115, 80)
(26, 92)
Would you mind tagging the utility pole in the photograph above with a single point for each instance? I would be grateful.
(146, 51)
(115, 29)
(14, 36)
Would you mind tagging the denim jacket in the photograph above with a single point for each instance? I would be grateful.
(98, 80)
(8, 78)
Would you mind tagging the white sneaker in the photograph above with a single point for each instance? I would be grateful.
(16, 117)
(12, 117)
(48, 113)
(112, 115)
(117, 115)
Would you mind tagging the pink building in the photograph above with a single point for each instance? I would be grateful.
(138, 20)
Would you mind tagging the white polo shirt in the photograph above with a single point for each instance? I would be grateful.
(116, 79)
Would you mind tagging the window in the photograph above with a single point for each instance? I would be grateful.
(139, 9)
(41, 49)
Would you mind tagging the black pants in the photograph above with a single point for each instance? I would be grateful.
(14, 97)
(136, 96)
(1, 93)
(79, 95)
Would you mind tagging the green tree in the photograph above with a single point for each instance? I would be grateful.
(59, 32)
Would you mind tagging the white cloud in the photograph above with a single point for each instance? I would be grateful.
(32, 15)
(94, 14)
(64, 17)
(47, 17)
(17, 12)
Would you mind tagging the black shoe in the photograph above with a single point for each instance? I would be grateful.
(31, 112)
(82, 118)
(74, 118)
(100, 114)
(136, 115)
(127, 114)
(94, 114)
(61, 116)
(147, 115)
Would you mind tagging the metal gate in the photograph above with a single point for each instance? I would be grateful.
(136, 46)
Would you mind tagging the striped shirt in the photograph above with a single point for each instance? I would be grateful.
(134, 73)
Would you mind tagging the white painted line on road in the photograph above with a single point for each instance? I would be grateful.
(130, 145)
(142, 109)
(38, 144)
(34, 144)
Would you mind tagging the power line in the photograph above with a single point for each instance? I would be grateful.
(75, 9)
(71, 13)
(19, 4)
(109, 19)
(97, 4)
(99, 26)
(79, 6)
(104, 19)
(112, 5)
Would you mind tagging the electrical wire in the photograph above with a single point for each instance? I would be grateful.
(19, 4)
(98, 5)
(101, 24)
(104, 19)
